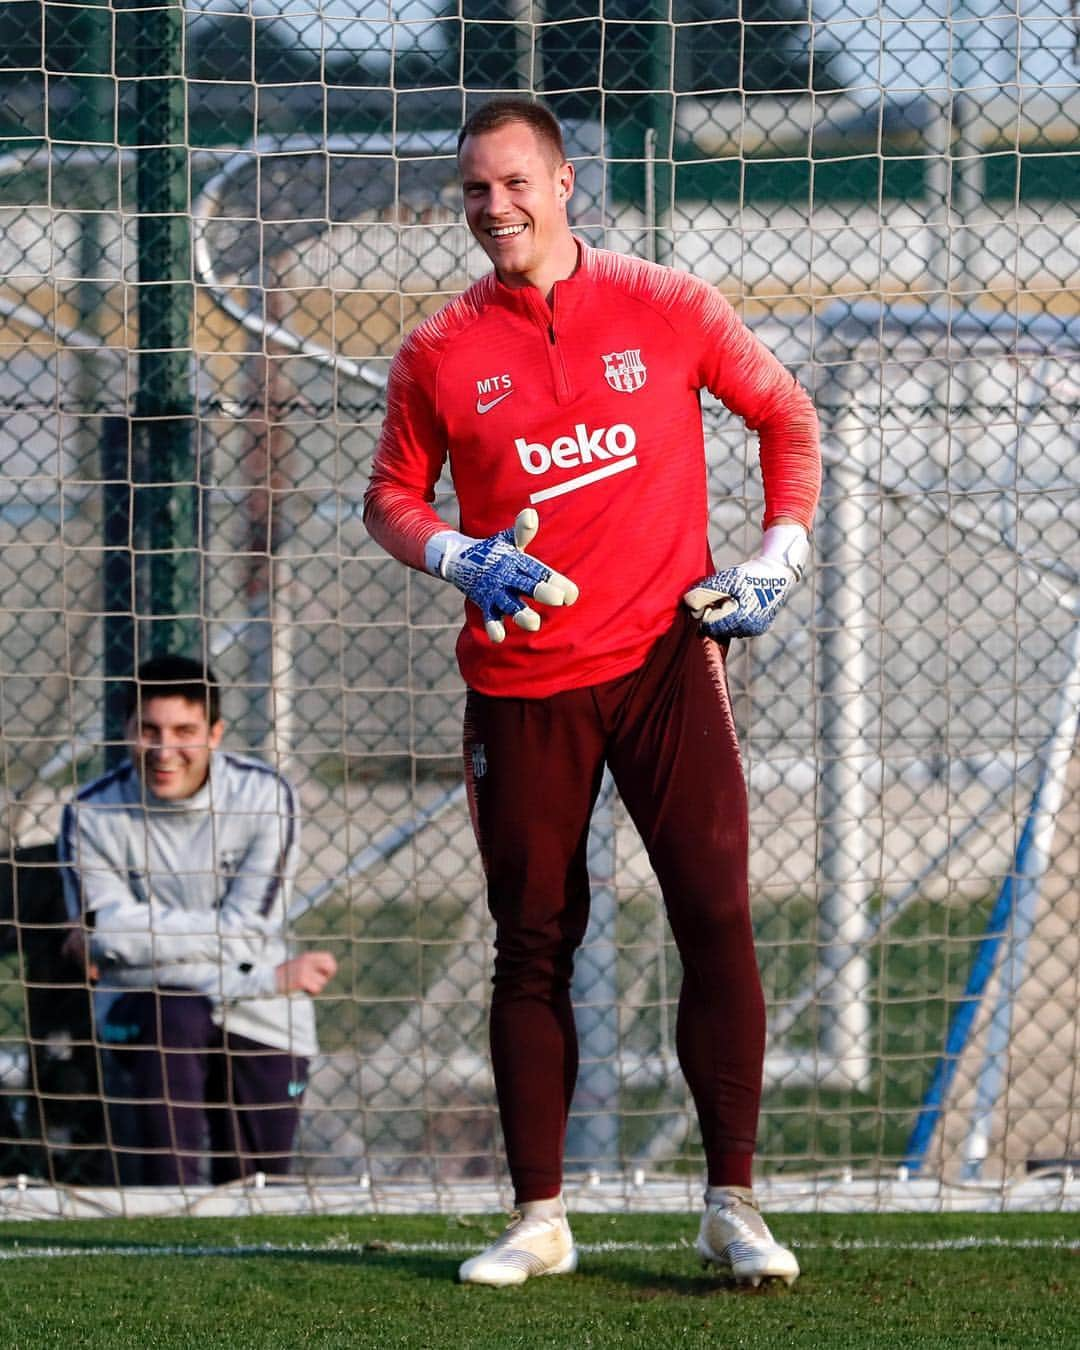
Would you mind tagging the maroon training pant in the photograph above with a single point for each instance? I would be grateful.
(533, 769)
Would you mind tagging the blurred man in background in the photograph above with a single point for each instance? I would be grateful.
(178, 870)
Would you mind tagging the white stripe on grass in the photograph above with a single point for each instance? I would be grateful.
(18, 1252)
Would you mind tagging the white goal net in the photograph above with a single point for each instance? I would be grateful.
(217, 220)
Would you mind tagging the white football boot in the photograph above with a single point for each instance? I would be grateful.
(529, 1245)
(734, 1237)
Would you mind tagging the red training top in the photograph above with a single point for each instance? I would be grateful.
(589, 411)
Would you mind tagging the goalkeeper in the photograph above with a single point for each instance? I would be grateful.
(563, 391)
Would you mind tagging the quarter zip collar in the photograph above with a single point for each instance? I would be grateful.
(528, 301)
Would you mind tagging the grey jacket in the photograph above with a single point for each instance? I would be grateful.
(191, 894)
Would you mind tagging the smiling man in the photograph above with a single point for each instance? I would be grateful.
(564, 390)
(179, 867)
(515, 186)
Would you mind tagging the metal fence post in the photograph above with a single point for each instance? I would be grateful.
(849, 719)
(166, 504)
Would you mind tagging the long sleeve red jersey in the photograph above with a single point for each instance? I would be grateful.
(588, 410)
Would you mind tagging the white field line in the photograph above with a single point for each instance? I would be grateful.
(378, 1247)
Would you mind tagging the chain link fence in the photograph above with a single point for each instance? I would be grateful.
(891, 203)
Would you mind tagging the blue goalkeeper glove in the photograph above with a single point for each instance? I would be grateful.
(495, 573)
(742, 601)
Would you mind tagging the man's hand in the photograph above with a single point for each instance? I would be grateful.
(743, 600)
(308, 973)
(75, 949)
(495, 573)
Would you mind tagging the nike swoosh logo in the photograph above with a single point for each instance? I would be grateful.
(482, 408)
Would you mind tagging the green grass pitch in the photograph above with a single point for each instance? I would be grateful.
(902, 1281)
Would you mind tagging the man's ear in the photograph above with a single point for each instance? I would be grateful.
(216, 733)
(566, 181)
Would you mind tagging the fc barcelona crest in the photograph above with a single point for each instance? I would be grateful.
(625, 371)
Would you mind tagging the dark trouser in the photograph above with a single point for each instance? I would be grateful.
(196, 1089)
(534, 768)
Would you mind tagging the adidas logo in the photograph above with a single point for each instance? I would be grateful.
(766, 589)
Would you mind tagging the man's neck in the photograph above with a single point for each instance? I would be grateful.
(558, 268)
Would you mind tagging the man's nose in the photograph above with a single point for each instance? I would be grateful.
(498, 201)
